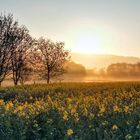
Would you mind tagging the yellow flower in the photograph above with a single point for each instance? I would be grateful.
(102, 109)
(73, 110)
(69, 132)
(114, 127)
(126, 109)
(116, 109)
(65, 115)
(19, 108)
(1, 102)
(8, 106)
(49, 98)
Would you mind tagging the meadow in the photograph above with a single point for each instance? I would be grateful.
(71, 111)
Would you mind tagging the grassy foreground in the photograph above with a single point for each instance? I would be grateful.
(78, 111)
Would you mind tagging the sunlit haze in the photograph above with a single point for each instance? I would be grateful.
(86, 26)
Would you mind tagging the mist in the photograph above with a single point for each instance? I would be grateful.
(113, 72)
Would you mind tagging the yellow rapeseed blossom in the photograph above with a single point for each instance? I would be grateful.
(65, 115)
(114, 127)
(116, 109)
(69, 132)
(19, 108)
(126, 109)
(8, 106)
(102, 109)
(1, 102)
(73, 110)
(85, 111)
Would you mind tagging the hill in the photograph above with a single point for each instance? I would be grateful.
(99, 60)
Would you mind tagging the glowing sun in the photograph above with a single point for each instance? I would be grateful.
(88, 43)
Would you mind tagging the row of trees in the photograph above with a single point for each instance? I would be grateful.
(124, 70)
(20, 54)
(117, 71)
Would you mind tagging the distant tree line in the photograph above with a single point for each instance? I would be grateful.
(21, 55)
(124, 70)
(117, 71)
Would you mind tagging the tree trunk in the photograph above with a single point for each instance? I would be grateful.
(15, 79)
(15, 82)
(48, 77)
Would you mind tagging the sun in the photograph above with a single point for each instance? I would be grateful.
(88, 43)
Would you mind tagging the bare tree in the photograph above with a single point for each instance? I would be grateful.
(7, 38)
(53, 56)
(19, 53)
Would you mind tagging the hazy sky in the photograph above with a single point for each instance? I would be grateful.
(86, 26)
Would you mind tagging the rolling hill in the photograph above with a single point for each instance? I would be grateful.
(99, 60)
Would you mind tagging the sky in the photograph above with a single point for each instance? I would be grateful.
(86, 26)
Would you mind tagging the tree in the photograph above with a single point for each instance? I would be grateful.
(7, 38)
(53, 56)
(124, 70)
(20, 52)
(73, 68)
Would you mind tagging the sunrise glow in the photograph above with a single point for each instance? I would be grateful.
(88, 43)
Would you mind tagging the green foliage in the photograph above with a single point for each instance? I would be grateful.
(78, 111)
